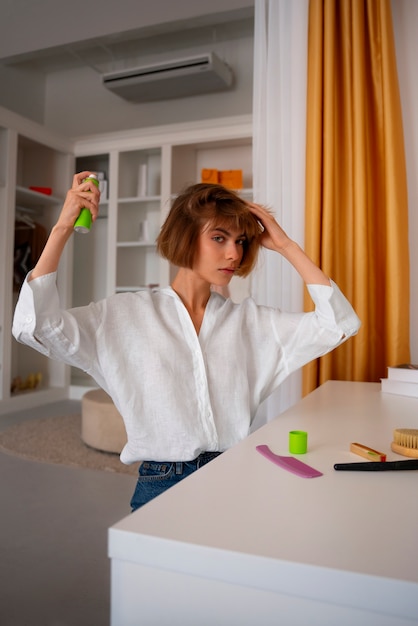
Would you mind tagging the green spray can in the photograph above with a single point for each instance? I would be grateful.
(83, 221)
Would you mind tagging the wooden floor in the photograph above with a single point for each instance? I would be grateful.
(54, 569)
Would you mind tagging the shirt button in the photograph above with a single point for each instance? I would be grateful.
(29, 319)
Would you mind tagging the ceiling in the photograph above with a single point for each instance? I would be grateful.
(126, 49)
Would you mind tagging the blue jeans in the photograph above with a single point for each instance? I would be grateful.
(155, 477)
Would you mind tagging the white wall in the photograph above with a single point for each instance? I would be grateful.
(405, 21)
(23, 92)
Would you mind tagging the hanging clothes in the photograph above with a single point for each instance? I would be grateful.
(30, 239)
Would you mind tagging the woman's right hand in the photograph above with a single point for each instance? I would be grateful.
(82, 194)
(79, 196)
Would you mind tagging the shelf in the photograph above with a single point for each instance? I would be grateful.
(35, 199)
(247, 192)
(244, 192)
(139, 199)
(135, 244)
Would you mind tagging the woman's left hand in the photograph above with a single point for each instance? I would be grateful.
(273, 236)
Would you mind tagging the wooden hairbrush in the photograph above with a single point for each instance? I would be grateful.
(405, 442)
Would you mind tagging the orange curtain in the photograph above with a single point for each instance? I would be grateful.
(356, 193)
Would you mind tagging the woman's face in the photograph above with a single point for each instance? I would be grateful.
(219, 253)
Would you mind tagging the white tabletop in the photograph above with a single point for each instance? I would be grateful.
(346, 536)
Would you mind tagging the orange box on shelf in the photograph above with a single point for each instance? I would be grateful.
(209, 176)
(231, 178)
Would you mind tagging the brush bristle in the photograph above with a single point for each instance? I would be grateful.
(405, 442)
(407, 437)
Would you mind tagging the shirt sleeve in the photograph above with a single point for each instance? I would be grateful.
(25, 315)
(40, 323)
(333, 310)
(307, 336)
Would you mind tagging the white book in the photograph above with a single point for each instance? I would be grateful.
(399, 387)
(407, 372)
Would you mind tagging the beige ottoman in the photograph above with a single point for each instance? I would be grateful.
(102, 426)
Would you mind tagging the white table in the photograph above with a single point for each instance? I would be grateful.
(242, 542)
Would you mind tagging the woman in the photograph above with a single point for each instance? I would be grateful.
(185, 367)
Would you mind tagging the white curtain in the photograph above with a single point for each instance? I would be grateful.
(279, 119)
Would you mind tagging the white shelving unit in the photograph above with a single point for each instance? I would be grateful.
(30, 156)
(138, 219)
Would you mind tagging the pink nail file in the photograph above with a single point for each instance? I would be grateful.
(289, 463)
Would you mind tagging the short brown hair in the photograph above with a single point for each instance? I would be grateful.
(196, 206)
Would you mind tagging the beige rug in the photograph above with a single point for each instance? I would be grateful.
(57, 440)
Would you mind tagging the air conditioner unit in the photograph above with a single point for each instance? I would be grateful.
(172, 79)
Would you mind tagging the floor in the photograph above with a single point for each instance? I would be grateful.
(54, 569)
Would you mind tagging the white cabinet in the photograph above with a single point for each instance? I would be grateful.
(35, 173)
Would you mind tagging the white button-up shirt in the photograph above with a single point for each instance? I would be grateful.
(181, 393)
